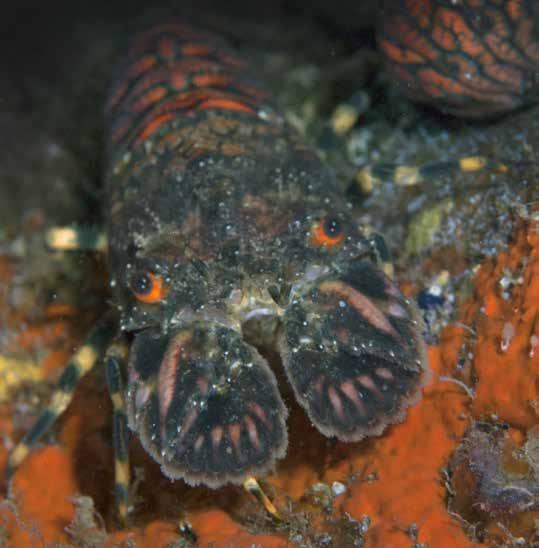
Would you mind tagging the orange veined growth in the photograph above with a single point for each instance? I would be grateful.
(473, 58)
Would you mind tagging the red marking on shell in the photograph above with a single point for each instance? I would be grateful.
(349, 390)
(234, 431)
(120, 128)
(159, 76)
(317, 386)
(459, 64)
(188, 423)
(168, 372)
(144, 40)
(198, 443)
(384, 373)
(231, 60)
(514, 9)
(117, 94)
(167, 48)
(187, 104)
(140, 66)
(224, 104)
(400, 54)
(203, 383)
(154, 125)
(365, 306)
(260, 413)
(216, 436)
(367, 382)
(343, 334)
(252, 431)
(142, 395)
(177, 79)
(211, 80)
(149, 99)
(395, 309)
(392, 289)
(196, 49)
(176, 74)
(336, 402)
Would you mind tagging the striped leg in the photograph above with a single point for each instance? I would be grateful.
(252, 486)
(406, 175)
(66, 238)
(83, 360)
(379, 251)
(115, 361)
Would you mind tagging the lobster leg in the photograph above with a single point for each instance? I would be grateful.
(380, 252)
(115, 359)
(252, 486)
(67, 238)
(82, 361)
(408, 175)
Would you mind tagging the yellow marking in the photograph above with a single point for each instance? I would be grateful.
(406, 175)
(252, 486)
(121, 473)
(472, 163)
(18, 455)
(343, 119)
(122, 512)
(365, 180)
(117, 401)
(14, 371)
(60, 400)
(85, 358)
(118, 350)
(61, 238)
(66, 239)
(443, 278)
(388, 269)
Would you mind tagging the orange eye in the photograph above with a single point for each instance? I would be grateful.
(149, 287)
(327, 232)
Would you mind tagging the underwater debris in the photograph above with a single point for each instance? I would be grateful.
(87, 528)
(493, 485)
(424, 226)
(437, 303)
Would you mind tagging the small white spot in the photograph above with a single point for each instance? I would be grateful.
(534, 342)
(508, 332)
(338, 488)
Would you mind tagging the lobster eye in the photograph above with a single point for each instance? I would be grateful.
(332, 227)
(327, 232)
(148, 287)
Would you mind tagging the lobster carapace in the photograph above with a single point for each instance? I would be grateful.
(223, 228)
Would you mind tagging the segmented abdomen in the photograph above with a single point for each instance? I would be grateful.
(470, 58)
(174, 71)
